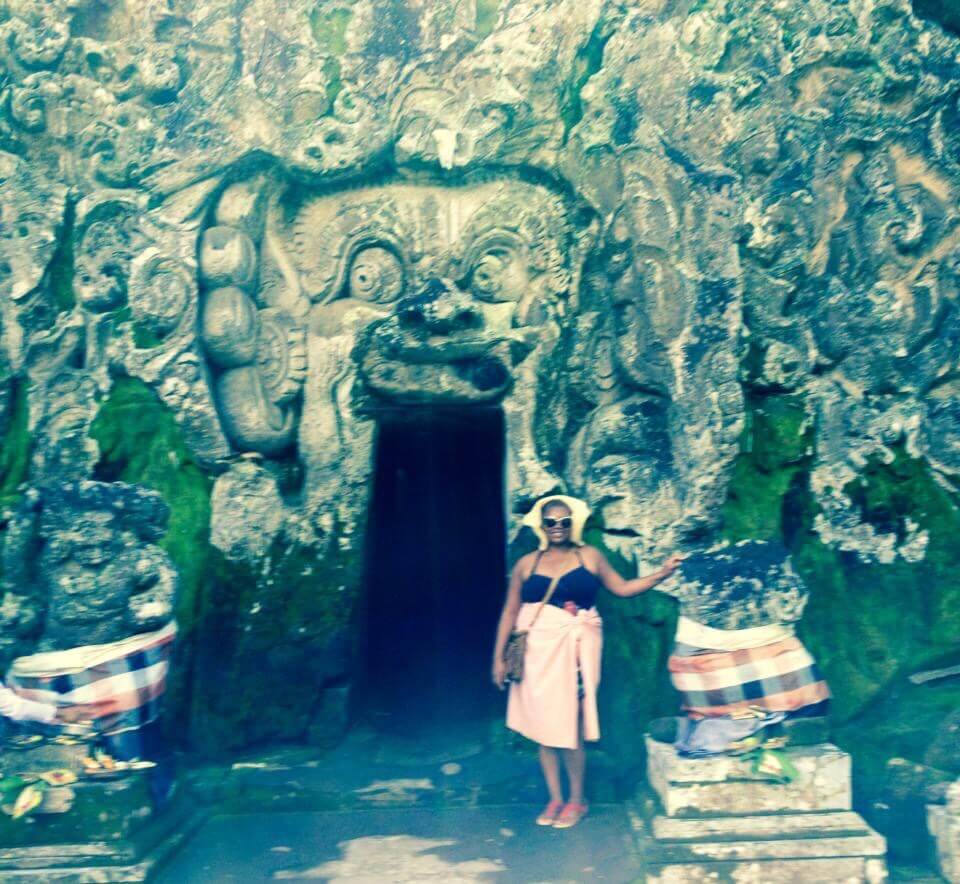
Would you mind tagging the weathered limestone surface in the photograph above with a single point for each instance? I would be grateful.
(743, 586)
(943, 821)
(704, 256)
(814, 871)
(725, 785)
(716, 821)
(81, 567)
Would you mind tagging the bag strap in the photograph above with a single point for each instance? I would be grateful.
(536, 563)
(546, 598)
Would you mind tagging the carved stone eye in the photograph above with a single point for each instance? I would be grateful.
(376, 275)
(497, 276)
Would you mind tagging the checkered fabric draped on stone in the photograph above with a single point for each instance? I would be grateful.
(779, 677)
(124, 691)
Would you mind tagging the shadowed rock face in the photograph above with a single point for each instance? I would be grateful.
(81, 567)
(704, 257)
(742, 586)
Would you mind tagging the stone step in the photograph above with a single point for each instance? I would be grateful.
(816, 845)
(790, 825)
(831, 870)
(808, 847)
(726, 786)
(132, 859)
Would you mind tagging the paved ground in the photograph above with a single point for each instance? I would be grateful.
(451, 806)
(411, 844)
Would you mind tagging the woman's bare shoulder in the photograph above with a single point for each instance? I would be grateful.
(524, 563)
(591, 553)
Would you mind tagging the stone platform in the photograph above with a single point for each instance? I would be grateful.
(713, 819)
(132, 858)
(88, 831)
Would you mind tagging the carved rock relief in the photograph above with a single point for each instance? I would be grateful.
(81, 567)
(378, 298)
(768, 179)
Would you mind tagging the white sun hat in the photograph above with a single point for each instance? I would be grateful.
(579, 512)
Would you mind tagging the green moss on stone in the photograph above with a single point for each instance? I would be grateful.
(775, 447)
(60, 270)
(869, 624)
(588, 60)
(900, 724)
(331, 70)
(100, 812)
(15, 445)
(270, 637)
(144, 337)
(486, 17)
(329, 28)
(141, 443)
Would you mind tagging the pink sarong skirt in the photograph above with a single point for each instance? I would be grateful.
(544, 706)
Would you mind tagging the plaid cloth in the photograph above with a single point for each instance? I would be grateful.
(122, 682)
(778, 677)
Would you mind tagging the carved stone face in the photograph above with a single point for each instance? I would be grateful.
(457, 281)
(94, 561)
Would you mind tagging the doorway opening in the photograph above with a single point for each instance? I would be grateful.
(435, 570)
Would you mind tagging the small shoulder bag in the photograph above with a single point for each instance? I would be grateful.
(516, 649)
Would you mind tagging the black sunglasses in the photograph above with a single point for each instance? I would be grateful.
(565, 522)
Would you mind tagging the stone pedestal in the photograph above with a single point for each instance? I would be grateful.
(716, 820)
(91, 830)
(943, 821)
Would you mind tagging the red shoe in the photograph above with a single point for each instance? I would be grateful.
(548, 816)
(571, 814)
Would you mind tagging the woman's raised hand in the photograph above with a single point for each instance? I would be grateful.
(672, 563)
(499, 673)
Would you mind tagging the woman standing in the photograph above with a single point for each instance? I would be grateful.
(555, 703)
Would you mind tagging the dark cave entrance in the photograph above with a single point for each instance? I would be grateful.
(435, 570)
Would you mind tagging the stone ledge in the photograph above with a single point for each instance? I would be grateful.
(798, 825)
(726, 786)
(944, 827)
(849, 870)
(814, 846)
(133, 859)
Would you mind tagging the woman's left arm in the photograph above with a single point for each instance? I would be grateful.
(618, 586)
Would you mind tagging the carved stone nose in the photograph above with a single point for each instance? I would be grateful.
(439, 308)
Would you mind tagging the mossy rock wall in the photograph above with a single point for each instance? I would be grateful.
(257, 644)
(271, 641)
(870, 625)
